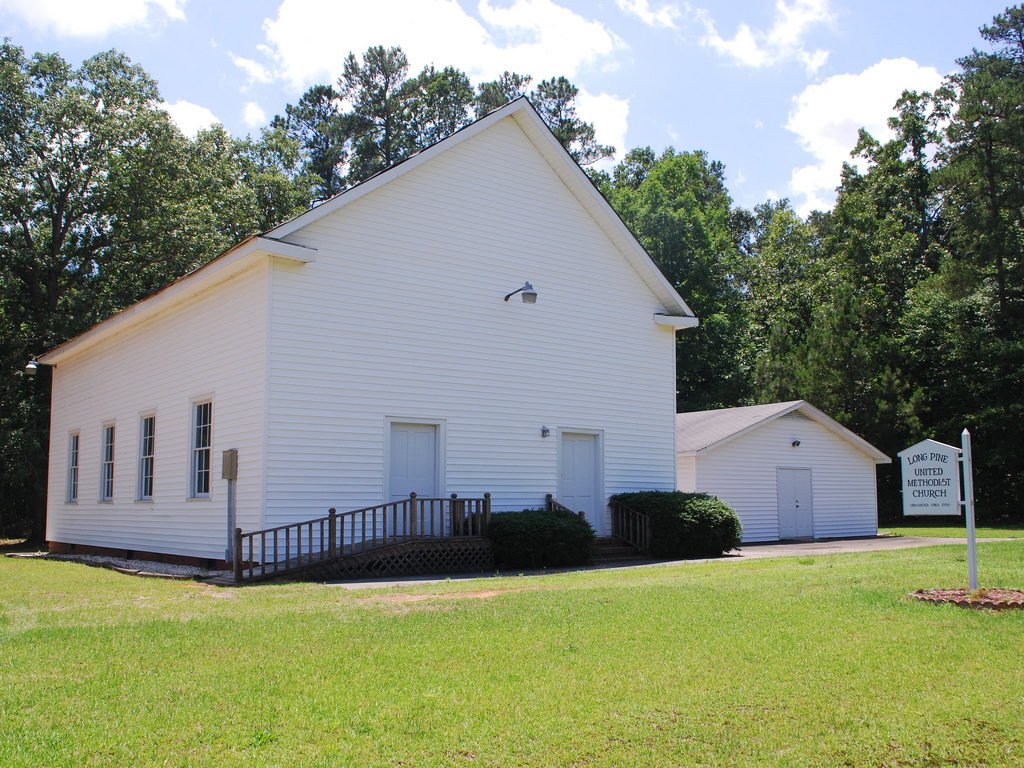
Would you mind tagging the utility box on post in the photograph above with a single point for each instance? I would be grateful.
(229, 465)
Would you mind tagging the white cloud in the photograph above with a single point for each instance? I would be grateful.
(782, 41)
(253, 115)
(190, 118)
(610, 116)
(537, 37)
(95, 18)
(665, 16)
(827, 116)
(256, 72)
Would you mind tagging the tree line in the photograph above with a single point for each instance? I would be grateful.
(377, 115)
(899, 311)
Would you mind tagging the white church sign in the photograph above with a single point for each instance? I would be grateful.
(931, 479)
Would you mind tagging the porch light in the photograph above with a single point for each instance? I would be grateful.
(528, 291)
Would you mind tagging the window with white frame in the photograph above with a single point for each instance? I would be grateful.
(107, 465)
(202, 444)
(72, 494)
(147, 456)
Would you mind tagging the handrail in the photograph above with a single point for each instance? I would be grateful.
(631, 527)
(354, 531)
(551, 504)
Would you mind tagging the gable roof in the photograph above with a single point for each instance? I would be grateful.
(570, 173)
(698, 432)
(676, 315)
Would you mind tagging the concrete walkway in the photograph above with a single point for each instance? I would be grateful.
(747, 552)
(839, 546)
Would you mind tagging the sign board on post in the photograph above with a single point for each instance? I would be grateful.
(931, 479)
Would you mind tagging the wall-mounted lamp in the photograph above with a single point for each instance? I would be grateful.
(31, 368)
(528, 291)
(796, 443)
(545, 431)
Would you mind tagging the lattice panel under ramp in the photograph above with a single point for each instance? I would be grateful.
(412, 558)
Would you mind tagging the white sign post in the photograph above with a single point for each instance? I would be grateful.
(931, 479)
(972, 557)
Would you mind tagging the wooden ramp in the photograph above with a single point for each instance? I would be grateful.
(407, 537)
(412, 557)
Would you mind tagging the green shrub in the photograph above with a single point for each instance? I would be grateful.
(686, 524)
(535, 538)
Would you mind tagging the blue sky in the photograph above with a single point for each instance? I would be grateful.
(774, 89)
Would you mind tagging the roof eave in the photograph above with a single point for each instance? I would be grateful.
(676, 322)
(219, 269)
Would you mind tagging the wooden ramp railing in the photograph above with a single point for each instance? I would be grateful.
(631, 527)
(552, 504)
(292, 547)
(628, 525)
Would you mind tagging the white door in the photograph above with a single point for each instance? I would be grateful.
(796, 506)
(412, 467)
(579, 482)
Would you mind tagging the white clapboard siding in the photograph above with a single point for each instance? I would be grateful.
(402, 316)
(742, 472)
(686, 473)
(212, 347)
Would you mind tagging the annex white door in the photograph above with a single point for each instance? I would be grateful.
(412, 464)
(579, 481)
(796, 505)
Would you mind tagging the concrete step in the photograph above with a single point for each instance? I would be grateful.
(613, 551)
(610, 550)
(612, 560)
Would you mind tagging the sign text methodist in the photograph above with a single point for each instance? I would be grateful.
(931, 479)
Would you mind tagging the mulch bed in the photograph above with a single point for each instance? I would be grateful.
(994, 598)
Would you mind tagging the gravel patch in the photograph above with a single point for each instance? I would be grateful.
(149, 568)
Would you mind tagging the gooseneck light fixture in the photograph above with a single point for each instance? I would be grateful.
(528, 291)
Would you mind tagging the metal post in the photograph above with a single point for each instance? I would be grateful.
(230, 554)
(332, 534)
(237, 563)
(972, 556)
(229, 472)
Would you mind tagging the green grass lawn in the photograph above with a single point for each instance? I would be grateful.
(814, 661)
(954, 529)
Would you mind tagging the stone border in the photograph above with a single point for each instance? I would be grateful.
(145, 568)
(992, 599)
